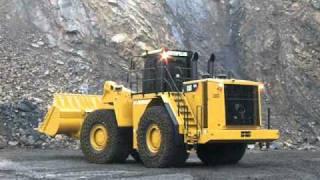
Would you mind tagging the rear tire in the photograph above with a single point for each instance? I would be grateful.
(170, 151)
(115, 148)
(215, 154)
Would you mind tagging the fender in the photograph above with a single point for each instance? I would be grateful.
(178, 138)
(118, 98)
(159, 101)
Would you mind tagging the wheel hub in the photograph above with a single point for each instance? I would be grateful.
(153, 138)
(98, 137)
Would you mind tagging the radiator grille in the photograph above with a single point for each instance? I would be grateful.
(242, 105)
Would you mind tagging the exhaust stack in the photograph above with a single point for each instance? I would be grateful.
(194, 66)
(211, 65)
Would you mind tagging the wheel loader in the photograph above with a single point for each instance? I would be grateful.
(164, 113)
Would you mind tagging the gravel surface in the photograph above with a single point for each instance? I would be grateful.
(67, 164)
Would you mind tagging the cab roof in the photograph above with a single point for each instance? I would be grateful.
(226, 81)
(175, 53)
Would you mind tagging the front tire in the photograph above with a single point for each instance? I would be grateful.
(158, 143)
(224, 153)
(102, 141)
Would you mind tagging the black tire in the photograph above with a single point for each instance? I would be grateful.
(216, 154)
(135, 155)
(119, 139)
(172, 150)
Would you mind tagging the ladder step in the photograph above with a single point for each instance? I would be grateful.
(182, 106)
(194, 137)
(185, 112)
(193, 125)
(188, 118)
(191, 122)
(192, 141)
(178, 100)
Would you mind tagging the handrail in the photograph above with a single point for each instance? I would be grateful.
(199, 109)
(144, 80)
(171, 78)
(180, 95)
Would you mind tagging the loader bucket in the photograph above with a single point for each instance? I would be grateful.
(67, 113)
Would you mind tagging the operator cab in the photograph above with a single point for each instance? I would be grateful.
(165, 71)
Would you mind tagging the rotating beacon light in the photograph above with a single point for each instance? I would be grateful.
(164, 56)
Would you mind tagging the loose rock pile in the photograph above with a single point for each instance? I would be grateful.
(17, 127)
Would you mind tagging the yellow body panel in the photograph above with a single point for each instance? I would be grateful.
(119, 99)
(216, 129)
(215, 100)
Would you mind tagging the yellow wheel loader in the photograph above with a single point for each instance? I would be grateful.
(170, 113)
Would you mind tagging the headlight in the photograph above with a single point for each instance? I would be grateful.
(164, 56)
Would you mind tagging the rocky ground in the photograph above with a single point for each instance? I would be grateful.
(75, 45)
(66, 164)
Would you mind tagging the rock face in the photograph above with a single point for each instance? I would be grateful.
(281, 46)
(75, 45)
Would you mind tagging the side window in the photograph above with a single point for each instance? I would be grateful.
(149, 74)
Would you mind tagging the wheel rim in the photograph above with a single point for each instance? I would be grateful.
(153, 138)
(98, 137)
